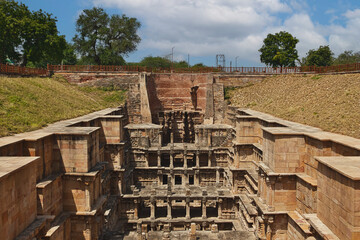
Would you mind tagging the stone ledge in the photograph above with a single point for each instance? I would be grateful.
(306, 178)
(320, 227)
(34, 228)
(346, 166)
(56, 224)
(300, 222)
(10, 165)
(47, 181)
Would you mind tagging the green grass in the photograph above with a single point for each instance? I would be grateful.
(31, 103)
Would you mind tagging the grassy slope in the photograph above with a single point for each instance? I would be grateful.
(330, 102)
(31, 103)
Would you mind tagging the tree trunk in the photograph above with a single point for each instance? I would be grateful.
(25, 60)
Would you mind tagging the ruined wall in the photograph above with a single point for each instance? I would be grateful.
(172, 91)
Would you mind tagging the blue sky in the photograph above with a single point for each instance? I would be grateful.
(236, 28)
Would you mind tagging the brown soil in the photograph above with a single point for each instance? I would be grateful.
(330, 102)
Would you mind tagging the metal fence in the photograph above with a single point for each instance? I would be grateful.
(240, 70)
(25, 71)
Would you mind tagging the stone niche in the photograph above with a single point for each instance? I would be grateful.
(338, 204)
(114, 155)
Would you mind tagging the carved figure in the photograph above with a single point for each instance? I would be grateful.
(194, 96)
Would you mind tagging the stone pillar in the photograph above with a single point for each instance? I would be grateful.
(169, 208)
(87, 197)
(185, 181)
(138, 228)
(152, 208)
(197, 178)
(209, 137)
(185, 156)
(136, 209)
(158, 158)
(169, 183)
(147, 158)
(220, 208)
(160, 138)
(271, 189)
(171, 159)
(197, 159)
(217, 176)
(268, 232)
(172, 137)
(159, 174)
(209, 159)
(203, 205)
(120, 185)
(187, 206)
(197, 140)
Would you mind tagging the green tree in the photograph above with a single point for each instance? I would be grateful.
(104, 40)
(69, 55)
(198, 66)
(181, 64)
(279, 50)
(155, 62)
(10, 25)
(29, 36)
(323, 56)
(347, 57)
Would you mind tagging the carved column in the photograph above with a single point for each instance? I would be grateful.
(169, 208)
(220, 208)
(120, 184)
(136, 209)
(185, 156)
(197, 159)
(186, 179)
(217, 176)
(187, 206)
(160, 138)
(87, 197)
(197, 177)
(147, 158)
(169, 182)
(209, 137)
(209, 158)
(152, 208)
(268, 229)
(171, 159)
(271, 189)
(203, 205)
(159, 174)
(197, 140)
(172, 137)
(158, 158)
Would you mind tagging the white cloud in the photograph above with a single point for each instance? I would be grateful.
(346, 37)
(202, 27)
(231, 27)
(301, 26)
